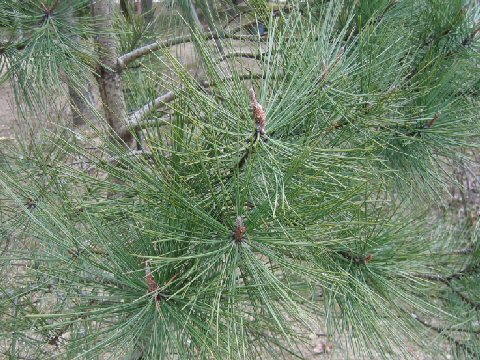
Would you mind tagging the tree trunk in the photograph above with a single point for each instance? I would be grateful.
(110, 80)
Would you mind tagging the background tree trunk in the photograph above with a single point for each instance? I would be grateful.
(82, 104)
(110, 80)
(146, 10)
(81, 97)
(138, 7)
(125, 8)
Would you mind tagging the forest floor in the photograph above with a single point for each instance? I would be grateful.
(7, 113)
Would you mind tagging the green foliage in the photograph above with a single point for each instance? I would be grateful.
(45, 42)
(222, 239)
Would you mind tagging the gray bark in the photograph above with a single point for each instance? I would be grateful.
(110, 81)
(81, 104)
(81, 97)
(138, 7)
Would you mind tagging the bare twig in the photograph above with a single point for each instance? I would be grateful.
(472, 269)
(124, 60)
(243, 54)
(463, 297)
(139, 114)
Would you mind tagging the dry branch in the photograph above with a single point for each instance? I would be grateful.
(139, 114)
(242, 54)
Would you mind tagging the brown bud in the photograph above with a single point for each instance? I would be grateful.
(326, 67)
(368, 258)
(258, 113)
(151, 283)
(433, 120)
(240, 230)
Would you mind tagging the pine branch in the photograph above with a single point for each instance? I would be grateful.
(428, 125)
(260, 119)
(335, 126)
(152, 286)
(239, 231)
(136, 122)
(284, 10)
(178, 212)
(258, 113)
(248, 152)
(469, 270)
(463, 297)
(464, 251)
(5, 44)
(54, 336)
(17, 357)
(466, 42)
(441, 331)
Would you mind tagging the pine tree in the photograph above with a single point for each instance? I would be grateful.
(296, 181)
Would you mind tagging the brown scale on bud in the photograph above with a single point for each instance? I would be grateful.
(151, 283)
(258, 113)
(48, 10)
(357, 259)
(433, 120)
(239, 231)
(327, 68)
(368, 258)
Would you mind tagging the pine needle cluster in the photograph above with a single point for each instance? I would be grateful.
(295, 186)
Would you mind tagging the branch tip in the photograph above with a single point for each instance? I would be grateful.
(357, 259)
(433, 120)
(327, 68)
(151, 283)
(239, 230)
(258, 113)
